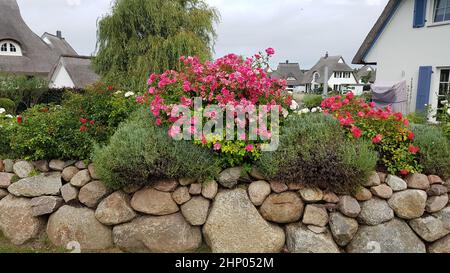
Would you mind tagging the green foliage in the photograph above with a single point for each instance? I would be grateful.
(143, 36)
(418, 117)
(7, 104)
(49, 132)
(311, 100)
(140, 152)
(434, 153)
(314, 150)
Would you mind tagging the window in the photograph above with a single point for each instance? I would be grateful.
(316, 76)
(444, 88)
(10, 48)
(441, 10)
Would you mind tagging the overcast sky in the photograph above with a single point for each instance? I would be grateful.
(299, 30)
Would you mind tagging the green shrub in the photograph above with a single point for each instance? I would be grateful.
(434, 154)
(49, 132)
(7, 104)
(6, 133)
(314, 151)
(140, 153)
(311, 101)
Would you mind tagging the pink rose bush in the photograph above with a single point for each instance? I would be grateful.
(223, 87)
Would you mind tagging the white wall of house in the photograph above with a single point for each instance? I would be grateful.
(401, 49)
(341, 81)
(61, 78)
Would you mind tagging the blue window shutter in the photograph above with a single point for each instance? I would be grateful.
(420, 11)
(423, 87)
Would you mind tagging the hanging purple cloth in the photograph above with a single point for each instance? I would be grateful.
(394, 95)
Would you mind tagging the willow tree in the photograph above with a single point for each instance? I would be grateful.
(140, 37)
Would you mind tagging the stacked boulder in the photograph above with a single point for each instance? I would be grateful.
(237, 212)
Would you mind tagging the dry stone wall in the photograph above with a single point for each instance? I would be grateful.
(237, 212)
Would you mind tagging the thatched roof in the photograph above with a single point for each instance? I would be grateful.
(59, 44)
(38, 57)
(288, 71)
(333, 64)
(79, 69)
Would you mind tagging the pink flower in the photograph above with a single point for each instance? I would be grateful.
(140, 99)
(406, 122)
(257, 56)
(361, 114)
(377, 139)
(372, 104)
(356, 132)
(249, 148)
(413, 149)
(174, 131)
(152, 90)
(270, 51)
(217, 146)
(350, 95)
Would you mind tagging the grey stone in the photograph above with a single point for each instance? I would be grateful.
(45, 205)
(44, 184)
(311, 195)
(315, 215)
(299, 239)
(441, 246)
(257, 174)
(23, 168)
(349, 206)
(5, 180)
(151, 201)
(92, 193)
(80, 165)
(437, 190)
(181, 195)
(69, 193)
(317, 229)
(158, 234)
(258, 192)
(196, 210)
(282, 208)
(444, 216)
(69, 172)
(229, 177)
(42, 166)
(429, 228)
(408, 204)
(436, 203)
(92, 172)
(234, 225)
(394, 236)
(195, 189)
(363, 194)
(3, 193)
(374, 212)
(17, 222)
(374, 180)
(209, 189)
(57, 165)
(9, 164)
(396, 183)
(342, 228)
(187, 181)
(383, 191)
(434, 179)
(115, 209)
(330, 197)
(80, 179)
(79, 225)
(278, 186)
(167, 185)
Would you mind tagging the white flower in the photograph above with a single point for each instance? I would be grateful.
(129, 94)
(118, 92)
(9, 116)
(444, 102)
(448, 111)
(305, 111)
(285, 113)
(2, 110)
(294, 105)
(314, 110)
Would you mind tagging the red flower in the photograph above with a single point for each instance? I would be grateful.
(83, 120)
(19, 119)
(92, 122)
(350, 95)
(377, 139)
(270, 51)
(404, 172)
(414, 150)
(361, 114)
(398, 116)
(406, 122)
(110, 88)
(411, 135)
(83, 129)
(356, 132)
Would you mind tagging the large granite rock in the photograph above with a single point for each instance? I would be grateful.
(57, 165)
(166, 185)
(311, 195)
(349, 206)
(299, 239)
(374, 212)
(408, 204)
(418, 181)
(92, 193)
(181, 195)
(429, 228)
(444, 216)
(209, 189)
(151, 201)
(80, 179)
(394, 236)
(343, 228)
(23, 168)
(69, 172)
(229, 177)
(436, 203)
(441, 246)
(282, 208)
(315, 215)
(258, 192)
(161, 234)
(44, 184)
(17, 222)
(69, 193)
(374, 180)
(80, 225)
(196, 210)
(45, 205)
(115, 209)
(396, 183)
(234, 225)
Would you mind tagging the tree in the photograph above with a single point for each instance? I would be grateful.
(141, 37)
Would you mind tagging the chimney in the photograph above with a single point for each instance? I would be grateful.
(287, 61)
(326, 55)
(59, 34)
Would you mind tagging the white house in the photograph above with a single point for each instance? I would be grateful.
(341, 77)
(411, 42)
(293, 75)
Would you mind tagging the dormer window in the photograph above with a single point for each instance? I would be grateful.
(10, 48)
(316, 77)
(441, 11)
